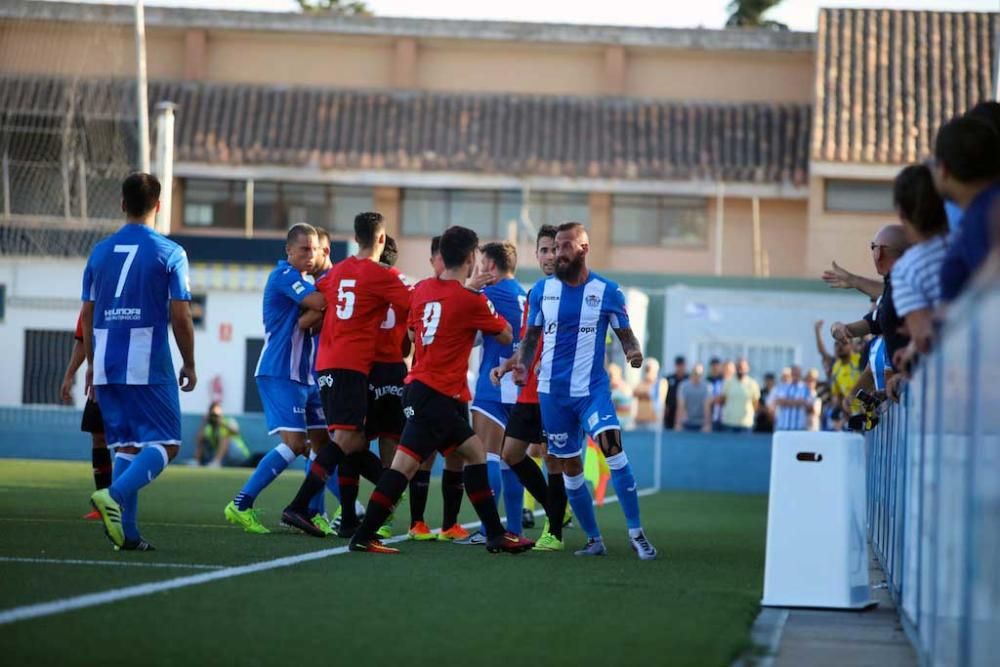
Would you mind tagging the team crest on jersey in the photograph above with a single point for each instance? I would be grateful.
(593, 300)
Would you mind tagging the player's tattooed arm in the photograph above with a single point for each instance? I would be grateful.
(630, 346)
(526, 354)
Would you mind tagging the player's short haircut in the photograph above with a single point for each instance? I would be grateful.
(969, 148)
(323, 235)
(571, 227)
(456, 244)
(299, 229)
(545, 232)
(367, 227)
(435, 245)
(140, 192)
(390, 253)
(503, 254)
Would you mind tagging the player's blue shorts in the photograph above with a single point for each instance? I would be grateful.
(140, 414)
(290, 405)
(495, 410)
(567, 419)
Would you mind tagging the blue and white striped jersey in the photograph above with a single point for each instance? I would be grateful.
(574, 322)
(789, 418)
(131, 277)
(916, 276)
(288, 350)
(509, 299)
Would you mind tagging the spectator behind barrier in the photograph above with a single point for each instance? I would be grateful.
(763, 421)
(694, 409)
(648, 395)
(673, 381)
(219, 441)
(739, 399)
(966, 168)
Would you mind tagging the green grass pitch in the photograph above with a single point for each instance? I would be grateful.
(436, 604)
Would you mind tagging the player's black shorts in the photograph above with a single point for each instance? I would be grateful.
(93, 420)
(525, 423)
(434, 422)
(345, 398)
(385, 400)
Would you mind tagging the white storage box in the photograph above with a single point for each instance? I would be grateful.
(817, 552)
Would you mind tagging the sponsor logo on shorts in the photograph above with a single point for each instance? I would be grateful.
(299, 411)
(558, 440)
(386, 390)
(593, 300)
(122, 314)
(325, 380)
(408, 411)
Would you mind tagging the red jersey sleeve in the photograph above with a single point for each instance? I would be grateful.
(483, 316)
(395, 289)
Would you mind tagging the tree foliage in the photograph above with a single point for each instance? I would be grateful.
(345, 7)
(750, 14)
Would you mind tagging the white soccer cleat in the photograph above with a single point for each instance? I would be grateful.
(642, 547)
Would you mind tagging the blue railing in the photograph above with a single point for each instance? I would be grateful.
(934, 492)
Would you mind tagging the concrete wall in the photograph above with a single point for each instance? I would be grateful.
(427, 63)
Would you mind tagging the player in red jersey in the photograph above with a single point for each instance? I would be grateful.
(445, 317)
(525, 429)
(359, 290)
(92, 422)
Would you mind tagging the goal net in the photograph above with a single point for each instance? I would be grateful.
(67, 134)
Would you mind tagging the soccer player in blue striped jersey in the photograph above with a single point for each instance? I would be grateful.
(573, 311)
(134, 285)
(492, 404)
(284, 374)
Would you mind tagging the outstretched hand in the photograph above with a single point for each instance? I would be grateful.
(837, 277)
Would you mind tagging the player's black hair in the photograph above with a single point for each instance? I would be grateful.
(969, 148)
(140, 192)
(918, 202)
(299, 229)
(367, 227)
(456, 244)
(322, 235)
(389, 254)
(545, 232)
(571, 227)
(988, 111)
(503, 253)
(435, 245)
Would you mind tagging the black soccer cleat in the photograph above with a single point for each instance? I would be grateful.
(302, 521)
(136, 545)
(347, 530)
(527, 518)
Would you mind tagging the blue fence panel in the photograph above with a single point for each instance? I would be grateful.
(934, 492)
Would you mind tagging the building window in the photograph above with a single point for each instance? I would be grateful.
(46, 354)
(555, 208)
(212, 203)
(424, 212)
(659, 221)
(347, 203)
(844, 196)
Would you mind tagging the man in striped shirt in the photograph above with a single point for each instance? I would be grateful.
(792, 398)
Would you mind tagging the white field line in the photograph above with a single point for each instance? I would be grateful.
(63, 605)
(121, 563)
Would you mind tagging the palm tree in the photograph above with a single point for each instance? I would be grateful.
(750, 14)
(348, 7)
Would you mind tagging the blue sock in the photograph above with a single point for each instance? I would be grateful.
(130, 504)
(624, 482)
(146, 467)
(496, 481)
(582, 503)
(513, 498)
(272, 465)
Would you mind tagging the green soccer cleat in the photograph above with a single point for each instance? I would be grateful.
(321, 522)
(246, 519)
(111, 516)
(384, 531)
(548, 542)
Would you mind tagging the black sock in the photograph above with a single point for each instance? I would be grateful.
(555, 506)
(101, 459)
(329, 457)
(531, 477)
(452, 490)
(419, 486)
(368, 465)
(382, 503)
(349, 478)
(477, 485)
